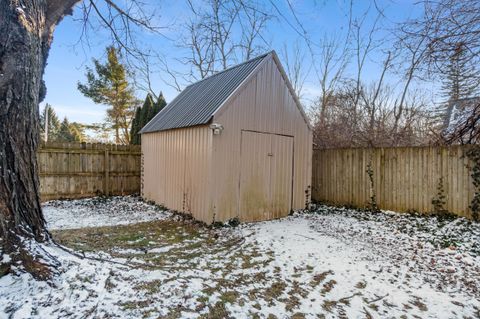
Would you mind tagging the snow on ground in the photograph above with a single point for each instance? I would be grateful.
(100, 211)
(330, 263)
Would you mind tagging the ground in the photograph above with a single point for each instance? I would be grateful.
(130, 259)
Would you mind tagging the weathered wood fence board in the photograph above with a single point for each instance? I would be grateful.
(74, 170)
(404, 178)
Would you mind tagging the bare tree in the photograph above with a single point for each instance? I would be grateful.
(253, 22)
(221, 33)
(141, 73)
(218, 33)
(445, 26)
(413, 56)
(465, 128)
(360, 114)
(296, 67)
(364, 43)
(373, 104)
(333, 60)
(26, 33)
(201, 44)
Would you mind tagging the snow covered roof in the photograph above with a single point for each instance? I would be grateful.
(458, 112)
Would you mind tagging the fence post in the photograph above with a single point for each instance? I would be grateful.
(107, 173)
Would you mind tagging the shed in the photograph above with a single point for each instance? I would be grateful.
(234, 145)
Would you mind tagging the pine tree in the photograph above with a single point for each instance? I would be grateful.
(108, 85)
(461, 82)
(145, 114)
(134, 136)
(141, 118)
(77, 130)
(147, 110)
(53, 123)
(70, 132)
(160, 104)
(64, 134)
(461, 79)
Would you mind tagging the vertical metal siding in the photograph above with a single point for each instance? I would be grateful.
(191, 170)
(176, 170)
(264, 105)
(281, 175)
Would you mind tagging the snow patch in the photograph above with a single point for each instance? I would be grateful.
(100, 211)
(332, 262)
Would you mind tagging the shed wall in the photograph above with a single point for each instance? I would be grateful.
(176, 170)
(266, 105)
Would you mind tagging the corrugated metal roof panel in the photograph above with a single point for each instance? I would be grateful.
(197, 102)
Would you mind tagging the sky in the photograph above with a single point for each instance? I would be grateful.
(68, 57)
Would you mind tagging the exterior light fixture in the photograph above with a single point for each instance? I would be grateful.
(217, 128)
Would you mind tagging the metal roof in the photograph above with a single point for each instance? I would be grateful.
(196, 104)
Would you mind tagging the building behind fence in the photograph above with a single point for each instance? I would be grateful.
(404, 179)
(74, 170)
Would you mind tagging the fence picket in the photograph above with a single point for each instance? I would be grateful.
(74, 170)
(405, 178)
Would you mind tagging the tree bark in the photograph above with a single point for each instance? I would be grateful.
(26, 29)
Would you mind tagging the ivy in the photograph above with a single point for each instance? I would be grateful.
(440, 200)
(473, 155)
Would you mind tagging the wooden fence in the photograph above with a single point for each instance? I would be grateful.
(404, 179)
(71, 170)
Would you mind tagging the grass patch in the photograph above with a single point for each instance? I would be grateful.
(318, 278)
(149, 287)
(158, 243)
(328, 305)
(361, 285)
(229, 297)
(419, 304)
(328, 286)
(274, 291)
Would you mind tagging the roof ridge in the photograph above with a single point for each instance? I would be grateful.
(232, 67)
(196, 103)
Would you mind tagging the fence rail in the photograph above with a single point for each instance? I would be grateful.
(75, 170)
(404, 179)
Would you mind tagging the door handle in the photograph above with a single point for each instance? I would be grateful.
(269, 154)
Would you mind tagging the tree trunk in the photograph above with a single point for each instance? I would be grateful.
(117, 131)
(26, 28)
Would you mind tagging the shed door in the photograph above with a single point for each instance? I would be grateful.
(265, 176)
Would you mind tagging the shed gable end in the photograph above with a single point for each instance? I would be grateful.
(265, 102)
(268, 90)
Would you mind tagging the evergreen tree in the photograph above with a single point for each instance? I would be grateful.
(64, 134)
(135, 137)
(145, 114)
(147, 111)
(461, 80)
(160, 104)
(53, 123)
(77, 130)
(108, 85)
(70, 132)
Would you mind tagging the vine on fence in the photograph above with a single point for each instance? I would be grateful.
(474, 155)
(439, 201)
